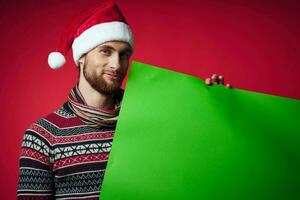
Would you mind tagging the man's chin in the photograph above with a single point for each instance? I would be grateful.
(113, 84)
(109, 87)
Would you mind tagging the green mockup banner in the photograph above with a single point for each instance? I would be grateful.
(177, 138)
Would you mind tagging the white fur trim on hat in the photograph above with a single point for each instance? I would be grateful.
(99, 34)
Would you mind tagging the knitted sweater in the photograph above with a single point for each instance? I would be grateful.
(63, 158)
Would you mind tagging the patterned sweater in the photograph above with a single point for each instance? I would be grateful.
(63, 158)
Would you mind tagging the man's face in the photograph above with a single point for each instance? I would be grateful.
(105, 66)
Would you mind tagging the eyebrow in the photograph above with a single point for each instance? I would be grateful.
(110, 47)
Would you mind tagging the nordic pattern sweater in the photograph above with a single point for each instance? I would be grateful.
(63, 158)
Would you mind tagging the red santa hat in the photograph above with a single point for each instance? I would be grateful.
(103, 22)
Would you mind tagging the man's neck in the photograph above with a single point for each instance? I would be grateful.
(94, 98)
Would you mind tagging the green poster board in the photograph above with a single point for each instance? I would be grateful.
(177, 138)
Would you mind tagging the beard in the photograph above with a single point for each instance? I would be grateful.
(100, 84)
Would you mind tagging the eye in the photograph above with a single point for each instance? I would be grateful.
(105, 51)
(125, 55)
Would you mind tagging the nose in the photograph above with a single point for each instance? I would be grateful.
(115, 63)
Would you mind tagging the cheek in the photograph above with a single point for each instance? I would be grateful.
(96, 65)
(125, 64)
(98, 62)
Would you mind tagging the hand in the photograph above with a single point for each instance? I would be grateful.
(215, 80)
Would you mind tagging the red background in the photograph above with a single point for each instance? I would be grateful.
(254, 44)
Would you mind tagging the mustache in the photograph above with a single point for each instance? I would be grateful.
(113, 73)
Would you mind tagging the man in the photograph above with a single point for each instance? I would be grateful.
(64, 154)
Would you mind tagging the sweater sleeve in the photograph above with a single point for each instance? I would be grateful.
(36, 179)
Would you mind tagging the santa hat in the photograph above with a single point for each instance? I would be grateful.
(103, 22)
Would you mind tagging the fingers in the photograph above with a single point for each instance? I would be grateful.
(228, 85)
(221, 79)
(216, 79)
(208, 81)
(213, 80)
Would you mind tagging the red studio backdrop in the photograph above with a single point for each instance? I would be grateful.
(254, 44)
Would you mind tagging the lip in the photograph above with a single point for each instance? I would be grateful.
(113, 76)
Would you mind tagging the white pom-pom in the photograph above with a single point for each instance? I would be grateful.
(56, 60)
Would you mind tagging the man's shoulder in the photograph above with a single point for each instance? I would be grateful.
(61, 114)
(61, 118)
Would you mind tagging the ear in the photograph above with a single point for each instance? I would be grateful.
(81, 61)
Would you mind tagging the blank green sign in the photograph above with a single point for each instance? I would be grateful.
(177, 138)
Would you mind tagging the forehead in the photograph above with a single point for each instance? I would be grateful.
(117, 45)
